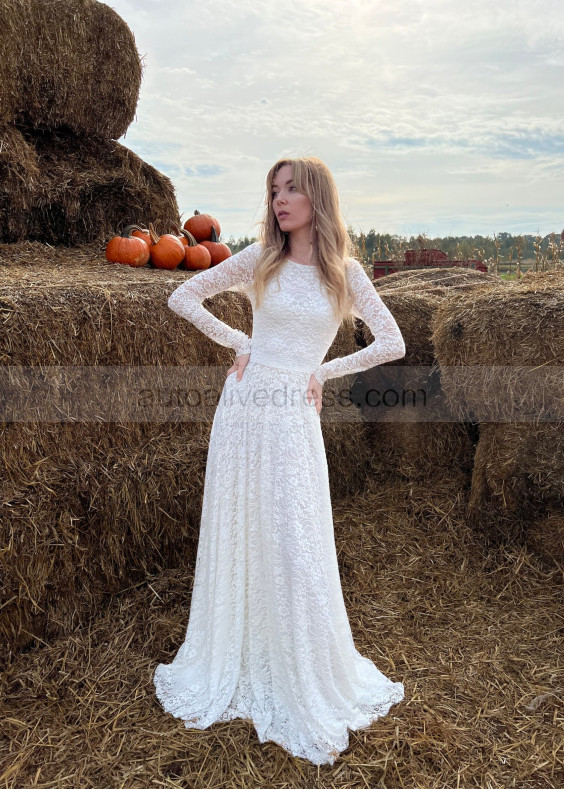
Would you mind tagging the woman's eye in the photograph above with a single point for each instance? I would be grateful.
(273, 194)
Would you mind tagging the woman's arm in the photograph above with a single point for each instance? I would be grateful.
(388, 341)
(187, 299)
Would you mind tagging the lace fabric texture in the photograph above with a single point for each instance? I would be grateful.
(268, 637)
(294, 327)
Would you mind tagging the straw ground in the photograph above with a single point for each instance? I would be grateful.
(475, 638)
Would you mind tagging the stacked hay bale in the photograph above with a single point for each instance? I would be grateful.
(412, 429)
(502, 354)
(69, 84)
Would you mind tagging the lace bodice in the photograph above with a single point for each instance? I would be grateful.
(294, 327)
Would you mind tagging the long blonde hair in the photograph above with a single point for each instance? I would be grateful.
(330, 238)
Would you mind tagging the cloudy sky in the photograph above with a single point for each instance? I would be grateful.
(435, 116)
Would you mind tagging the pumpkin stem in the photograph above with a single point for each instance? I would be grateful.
(196, 211)
(126, 232)
(214, 236)
(191, 239)
(152, 233)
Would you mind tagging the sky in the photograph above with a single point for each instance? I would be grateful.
(439, 117)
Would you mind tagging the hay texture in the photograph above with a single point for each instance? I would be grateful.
(63, 189)
(473, 637)
(87, 510)
(517, 482)
(68, 64)
(502, 354)
(69, 84)
(501, 351)
(435, 280)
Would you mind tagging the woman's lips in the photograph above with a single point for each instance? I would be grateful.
(282, 215)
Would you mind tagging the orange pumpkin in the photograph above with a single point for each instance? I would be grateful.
(184, 236)
(128, 249)
(141, 233)
(200, 226)
(196, 257)
(167, 251)
(217, 249)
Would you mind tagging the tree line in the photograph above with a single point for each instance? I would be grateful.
(497, 248)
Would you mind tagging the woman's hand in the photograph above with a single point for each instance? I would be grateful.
(315, 392)
(239, 365)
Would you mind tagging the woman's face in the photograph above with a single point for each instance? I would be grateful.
(293, 209)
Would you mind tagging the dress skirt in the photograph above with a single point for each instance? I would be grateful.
(268, 636)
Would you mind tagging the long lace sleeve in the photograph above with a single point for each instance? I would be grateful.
(388, 341)
(232, 274)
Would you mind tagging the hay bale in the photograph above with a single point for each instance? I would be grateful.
(86, 511)
(550, 278)
(436, 280)
(68, 64)
(518, 476)
(421, 443)
(501, 352)
(84, 189)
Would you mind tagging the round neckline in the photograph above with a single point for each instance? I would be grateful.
(304, 265)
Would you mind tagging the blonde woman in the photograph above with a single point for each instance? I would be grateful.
(268, 637)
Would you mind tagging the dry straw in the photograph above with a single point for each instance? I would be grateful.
(65, 189)
(484, 339)
(435, 280)
(502, 353)
(474, 637)
(517, 482)
(68, 64)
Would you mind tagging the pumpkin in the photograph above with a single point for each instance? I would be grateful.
(141, 233)
(128, 249)
(217, 249)
(200, 226)
(196, 256)
(184, 236)
(166, 251)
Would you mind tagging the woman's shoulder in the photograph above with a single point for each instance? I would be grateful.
(352, 266)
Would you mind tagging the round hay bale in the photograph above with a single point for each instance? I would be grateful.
(85, 189)
(501, 352)
(551, 278)
(409, 425)
(436, 279)
(69, 64)
(416, 370)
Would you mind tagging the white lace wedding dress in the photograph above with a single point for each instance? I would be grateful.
(268, 637)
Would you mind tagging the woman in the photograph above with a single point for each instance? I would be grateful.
(268, 636)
